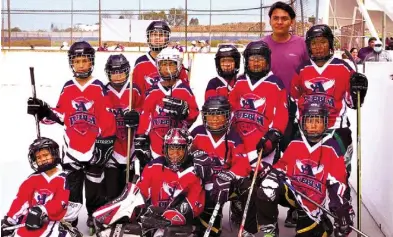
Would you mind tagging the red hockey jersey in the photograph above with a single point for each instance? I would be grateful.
(155, 122)
(313, 170)
(231, 145)
(39, 189)
(145, 73)
(256, 108)
(117, 103)
(82, 109)
(162, 186)
(218, 86)
(330, 81)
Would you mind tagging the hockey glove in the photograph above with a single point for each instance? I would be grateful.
(202, 164)
(345, 215)
(38, 107)
(5, 223)
(269, 142)
(103, 150)
(358, 83)
(176, 108)
(36, 217)
(142, 148)
(153, 218)
(222, 184)
(131, 119)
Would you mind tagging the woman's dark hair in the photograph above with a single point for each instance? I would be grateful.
(352, 50)
(282, 6)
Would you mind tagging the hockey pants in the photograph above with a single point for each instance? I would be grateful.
(202, 222)
(115, 180)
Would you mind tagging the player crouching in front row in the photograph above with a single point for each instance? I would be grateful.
(42, 199)
(313, 165)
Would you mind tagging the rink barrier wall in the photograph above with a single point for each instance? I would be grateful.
(52, 71)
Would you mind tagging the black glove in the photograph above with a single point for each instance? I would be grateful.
(222, 184)
(358, 82)
(153, 218)
(345, 215)
(103, 150)
(142, 149)
(5, 224)
(269, 142)
(38, 107)
(176, 108)
(36, 218)
(202, 164)
(131, 119)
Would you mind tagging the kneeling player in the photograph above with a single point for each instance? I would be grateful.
(314, 165)
(42, 199)
(219, 154)
(171, 186)
(168, 104)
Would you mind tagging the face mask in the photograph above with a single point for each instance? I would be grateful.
(378, 49)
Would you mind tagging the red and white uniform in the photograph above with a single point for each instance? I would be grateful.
(145, 73)
(256, 108)
(82, 109)
(156, 123)
(218, 86)
(230, 145)
(313, 170)
(117, 103)
(162, 185)
(49, 192)
(330, 81)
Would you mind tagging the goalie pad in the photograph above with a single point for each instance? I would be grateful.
(122, 230)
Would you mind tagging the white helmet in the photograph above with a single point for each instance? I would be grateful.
(171, 54)
(193, 42)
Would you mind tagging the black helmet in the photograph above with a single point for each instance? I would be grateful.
(44, 143)
(81, 48)
(320, 31)
(227, 51)
(117, 64)
(216, 105)
(257, 48)
(163, 29)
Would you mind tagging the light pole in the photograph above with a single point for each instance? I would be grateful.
(186, 22)
(99, 23)
(9, 23)
(210, 23)
(72, 18)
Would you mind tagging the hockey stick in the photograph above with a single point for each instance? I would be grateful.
(359, 153)
(32, 79)
(14, 227)
(321, 207)
(130, 134)
(212, 219)
(254, 178)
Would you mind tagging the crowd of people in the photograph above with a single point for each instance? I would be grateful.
(277, 130)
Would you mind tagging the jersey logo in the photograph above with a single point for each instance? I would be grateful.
(254, 104)
(308, 169)
(118, 111)
(83, 119)
(82, 106)
(152, 79)
(319, 84)
(168, 192)
(326, 100)
(42, 196)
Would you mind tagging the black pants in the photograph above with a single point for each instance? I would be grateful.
(115, 180)
(92, 176)
(202, 221)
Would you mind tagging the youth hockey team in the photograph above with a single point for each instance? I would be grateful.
(185, 174)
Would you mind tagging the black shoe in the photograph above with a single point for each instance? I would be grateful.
(290, 221)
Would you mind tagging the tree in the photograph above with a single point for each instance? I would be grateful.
(176, 17)
(154, 16)
(311, 19)
(126, 15)
(194, 22)
(16, 29)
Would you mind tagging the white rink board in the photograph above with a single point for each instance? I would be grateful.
(52, 71)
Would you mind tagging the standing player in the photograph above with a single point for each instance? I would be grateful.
(89, 129)
(117, 69)
(169, 182)
(145, 73)
(217, 150)
(332, 80)
(42, 199)
(227, 65)
(314, 165)
(169, 104)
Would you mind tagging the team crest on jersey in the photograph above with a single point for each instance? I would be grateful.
(253, 102)
(168, 192)
(119, 111)
(250, 117)
(83, 119)
(319, 98)
(42, 196)
(310, 174)
(152, 79)
(319, 84)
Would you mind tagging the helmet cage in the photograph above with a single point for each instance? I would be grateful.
(161, 33)
(311, 116)
(213, 112)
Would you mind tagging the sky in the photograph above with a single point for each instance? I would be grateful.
(44, 21)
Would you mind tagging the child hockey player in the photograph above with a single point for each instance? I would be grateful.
(89, 129)
(145, 73)
(314, 165)
(219, 154)
(336, 83)
(170, 103)
(42, 199)
(227, 65)
(117, 69)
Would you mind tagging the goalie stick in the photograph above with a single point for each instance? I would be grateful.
(32, 79)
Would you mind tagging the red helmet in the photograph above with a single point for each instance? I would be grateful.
(176, 139)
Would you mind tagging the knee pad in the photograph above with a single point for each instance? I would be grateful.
(268, 190)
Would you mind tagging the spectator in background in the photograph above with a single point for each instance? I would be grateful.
(103, 48)
(178, 47)
(363, 52)
(194, 48)
(203, 47)
(378, 54)
(344, 56)
(389, 46)
(354, 52)
(208, 45)
(64, 46)
(119, 47)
